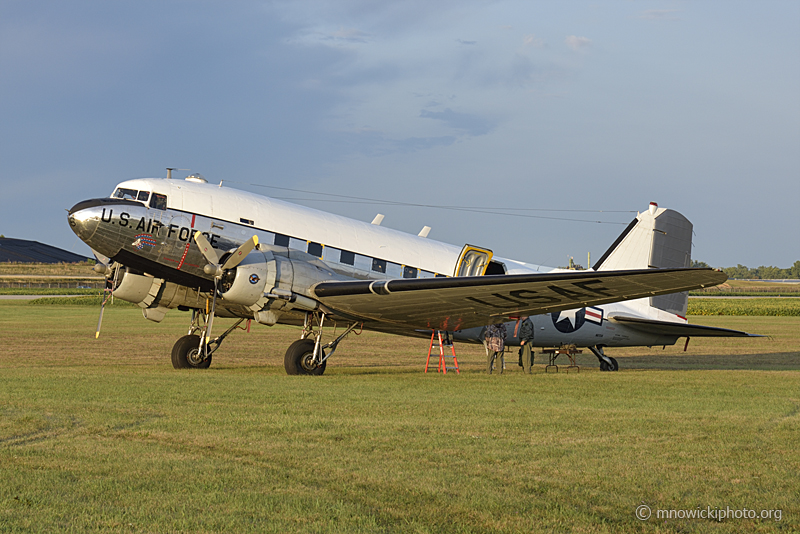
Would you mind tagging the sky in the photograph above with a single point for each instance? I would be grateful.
(547, 124)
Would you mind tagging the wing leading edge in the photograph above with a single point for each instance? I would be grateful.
(456, 303)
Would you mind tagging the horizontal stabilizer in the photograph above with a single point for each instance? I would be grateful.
(665, 328)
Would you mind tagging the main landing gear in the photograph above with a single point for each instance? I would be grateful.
(307, 356)
(607, 363)
(194, 351)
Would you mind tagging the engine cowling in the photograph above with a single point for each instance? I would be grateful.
(246, 283)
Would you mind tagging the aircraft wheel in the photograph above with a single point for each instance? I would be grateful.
(298, 359)
(186, 354)
(605, 366)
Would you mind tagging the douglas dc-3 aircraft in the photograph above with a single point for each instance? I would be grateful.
(218, 251)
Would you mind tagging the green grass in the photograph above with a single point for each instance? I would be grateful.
(750, 306)
(775, 293)
(48, 291)
(103, 435)
(83, 300)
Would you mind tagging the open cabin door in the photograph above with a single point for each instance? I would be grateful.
(473, 261)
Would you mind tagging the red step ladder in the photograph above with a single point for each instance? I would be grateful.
(443, 367)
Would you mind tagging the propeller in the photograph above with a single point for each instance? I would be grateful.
(106, 268)
(216, 270)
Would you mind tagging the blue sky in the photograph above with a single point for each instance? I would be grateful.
(598, 107)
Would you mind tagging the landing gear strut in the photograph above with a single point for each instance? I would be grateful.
(607, 363)
(307, 356)
(194, 351)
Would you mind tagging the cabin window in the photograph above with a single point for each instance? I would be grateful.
(246, 221)
(394, 270)
(281, 240)
(158, 201)
(363, 263)
(123, 193)
(409, 272)
(315, 249)
(347, 257)
(379, 266)
(143, 196)
(441, 275)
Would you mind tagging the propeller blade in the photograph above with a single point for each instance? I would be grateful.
(110, 285)
(100, 321)
(206, 248)
(240, 253)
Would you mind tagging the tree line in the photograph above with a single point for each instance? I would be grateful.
(757, 273)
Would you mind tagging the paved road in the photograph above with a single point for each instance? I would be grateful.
(55, 276)
(31, 297)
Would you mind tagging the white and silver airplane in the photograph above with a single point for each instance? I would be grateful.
(218, 251)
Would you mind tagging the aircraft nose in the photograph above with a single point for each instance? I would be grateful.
(83, 220)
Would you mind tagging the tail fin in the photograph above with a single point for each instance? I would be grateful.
(656, 238)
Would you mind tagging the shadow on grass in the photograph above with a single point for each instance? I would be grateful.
(776, 361)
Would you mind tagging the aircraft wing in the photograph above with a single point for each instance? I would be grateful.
(664, 328)
(454, 303)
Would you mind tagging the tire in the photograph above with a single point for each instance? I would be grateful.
(185, 354)
(298, 359)
(613, 366)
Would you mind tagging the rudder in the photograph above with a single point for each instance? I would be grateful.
(656, 238)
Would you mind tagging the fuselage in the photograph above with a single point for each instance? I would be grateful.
(147, 225)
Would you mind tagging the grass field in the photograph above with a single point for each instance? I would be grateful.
(104, 436)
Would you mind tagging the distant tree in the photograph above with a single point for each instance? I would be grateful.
(768, 273)
(795, 270)
(763, 272)
(740, 271)
(696, 263)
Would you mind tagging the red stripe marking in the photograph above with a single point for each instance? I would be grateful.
(186, 250)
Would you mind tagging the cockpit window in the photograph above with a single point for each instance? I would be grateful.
(121, 192)
(143, 195)
(158, 201)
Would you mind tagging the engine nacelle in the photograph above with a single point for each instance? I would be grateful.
(245, 284)
(139, 289)
(271, 281)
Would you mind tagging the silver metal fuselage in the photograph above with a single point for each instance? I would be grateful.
(158, 243)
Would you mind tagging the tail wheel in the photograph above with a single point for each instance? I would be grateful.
(299, 359)
(186, 354)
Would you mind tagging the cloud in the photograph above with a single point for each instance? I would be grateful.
(339, 38)
(577, 43)
(471, 124)
(466, 42)
(412, 144)
(350, 35)
(374, 143)
(658, 14)
(532, 40)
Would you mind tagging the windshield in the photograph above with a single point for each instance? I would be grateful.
(121, 192)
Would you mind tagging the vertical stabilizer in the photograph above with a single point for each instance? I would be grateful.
(657, 238)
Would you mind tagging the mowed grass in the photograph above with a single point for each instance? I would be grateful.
(103, 435)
